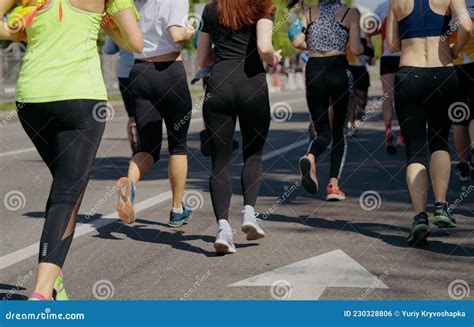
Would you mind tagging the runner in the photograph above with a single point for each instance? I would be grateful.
(126, 62)
(361, 77)
(161, 93)
(330, 27)
(389, 64)
(425, 89)
(237, 89)
(464, 126)
(59, 94)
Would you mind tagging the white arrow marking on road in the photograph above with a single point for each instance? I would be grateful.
(22, 254)
(309, 278)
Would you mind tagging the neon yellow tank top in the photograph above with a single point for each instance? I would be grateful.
(62, 60)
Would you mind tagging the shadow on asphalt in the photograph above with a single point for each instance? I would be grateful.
(175, 238)
(373, 230)
(12, 292)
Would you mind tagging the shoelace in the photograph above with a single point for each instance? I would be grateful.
(256, 214)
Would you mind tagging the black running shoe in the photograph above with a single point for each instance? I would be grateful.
(443, 217)
(462, 170)
(420, 229)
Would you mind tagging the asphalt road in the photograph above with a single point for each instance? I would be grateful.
(354, 249)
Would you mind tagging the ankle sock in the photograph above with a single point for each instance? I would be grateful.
(179, 211)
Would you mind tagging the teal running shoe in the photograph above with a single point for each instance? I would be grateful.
(443, 217)
(179, 219)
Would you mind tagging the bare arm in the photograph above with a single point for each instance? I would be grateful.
(464, 23)
(355, 45)
(205, 53)
(264, 42)
(300, 41)
(393, 35)
(126, 33)
(180, 34)
(5, 33)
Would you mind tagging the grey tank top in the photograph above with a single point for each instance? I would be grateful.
(326, 33)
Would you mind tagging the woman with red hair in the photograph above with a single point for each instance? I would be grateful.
(241, 32)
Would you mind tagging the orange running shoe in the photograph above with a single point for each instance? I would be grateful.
(335, 193)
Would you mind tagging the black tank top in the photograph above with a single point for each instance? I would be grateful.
(237, 45)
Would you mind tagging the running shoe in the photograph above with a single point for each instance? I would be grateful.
(443, 217)
(250, 225)
(420, 229)
(179, 219)
(37, 297)
(400, 140)
(126, 197)
(59, 292)
(335, 193)
(462, 170)
(309, 179)
(390, 141)
(224, 243)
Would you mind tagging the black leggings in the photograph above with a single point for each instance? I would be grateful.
(67, 135)
(425, 95)
(161, 93)
(127, 96)
(234, 92)
(328, 80)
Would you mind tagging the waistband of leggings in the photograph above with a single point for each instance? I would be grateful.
(426, 70)
(329, 61)
(160, 65)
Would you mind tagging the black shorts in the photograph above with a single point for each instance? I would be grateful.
(465, 95)
(389, 65)
(361, 78)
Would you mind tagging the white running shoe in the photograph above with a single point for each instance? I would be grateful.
(250, 225)
(224, 243)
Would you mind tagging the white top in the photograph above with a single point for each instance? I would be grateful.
(382, 12)
(156, 17)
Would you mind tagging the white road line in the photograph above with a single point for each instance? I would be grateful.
(11, 153)
(29, 251)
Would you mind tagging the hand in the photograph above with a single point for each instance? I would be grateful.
(455, 52)
(277, 58)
